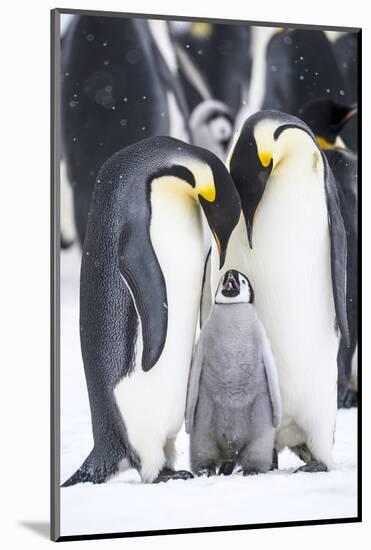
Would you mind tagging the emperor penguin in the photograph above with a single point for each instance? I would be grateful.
(327, 120)
(294, 250)
(221, 53)
(300, 66)
(117, 88)
(346, 48)
(233, 401)
(140, 286)
(211, 125)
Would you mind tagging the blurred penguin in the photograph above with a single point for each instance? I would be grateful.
(221, 52)
(300, 66)
(119, 85)
(346, 52)
(211, 125)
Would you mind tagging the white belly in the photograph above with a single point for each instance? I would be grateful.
(152, 403)
(290, 270)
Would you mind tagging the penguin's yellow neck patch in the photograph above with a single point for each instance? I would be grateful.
(201, 30)
(323, 143)
(207, 192)
(265, 158)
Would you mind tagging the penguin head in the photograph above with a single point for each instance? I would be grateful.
(266, 141)
(234, 288)
(326, 118)
(201, 176)
(211, 124)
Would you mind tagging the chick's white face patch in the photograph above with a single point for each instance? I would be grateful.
(233, 288)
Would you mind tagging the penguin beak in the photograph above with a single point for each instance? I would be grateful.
(231, 286)
(222, 213)
(352, 112)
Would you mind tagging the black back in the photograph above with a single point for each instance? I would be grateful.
(344, 164)
(223, 58)
(301, 66)
(346, 52)
(112, 96)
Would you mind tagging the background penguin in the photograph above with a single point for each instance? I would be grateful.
(346, 52)
(327, 120)
(233, 400)
(117, 89)
(296, 72)
(211, 126)
(141, 278)
(296, 258)
(221, 52)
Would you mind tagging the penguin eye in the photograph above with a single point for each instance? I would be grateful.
(244, 282)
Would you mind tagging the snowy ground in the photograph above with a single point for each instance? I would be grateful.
(124, 504)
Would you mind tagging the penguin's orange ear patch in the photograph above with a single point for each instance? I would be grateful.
(265, 158)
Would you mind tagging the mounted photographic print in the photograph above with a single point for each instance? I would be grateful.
(205, 274)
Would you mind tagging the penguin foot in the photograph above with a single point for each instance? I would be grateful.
(249, 472)
(226, 469)
(303, 452)
(209, 471)
(167, 473)
(274, 465)
(347, 398)
(313, 466)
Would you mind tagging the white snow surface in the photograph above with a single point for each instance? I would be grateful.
(125, 504)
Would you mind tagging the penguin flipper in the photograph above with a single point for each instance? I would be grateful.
(193, 385)
(272, 378)
(144, 278)
(338, 251)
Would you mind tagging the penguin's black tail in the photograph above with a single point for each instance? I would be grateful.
(94, 469)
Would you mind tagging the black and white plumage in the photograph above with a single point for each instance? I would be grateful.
(117, 89)
(297, 73)
(221, 53)
(291, 242)
(346, 48)
(328, 121)
(141, 279)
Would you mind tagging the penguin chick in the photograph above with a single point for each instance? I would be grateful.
(211, 125)
(233, 402)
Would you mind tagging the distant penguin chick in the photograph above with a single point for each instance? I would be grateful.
(233, 401)
(211, 125)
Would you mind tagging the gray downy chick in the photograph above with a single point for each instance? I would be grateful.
(233, 402)
(211, 125)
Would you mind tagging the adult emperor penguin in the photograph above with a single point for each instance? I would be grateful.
(141, 277)
(117, 88)
(295, 258)
(346, 48)
(221, 52)
(327, 120)
(300, 66)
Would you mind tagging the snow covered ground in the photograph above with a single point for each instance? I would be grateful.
(124, 504)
